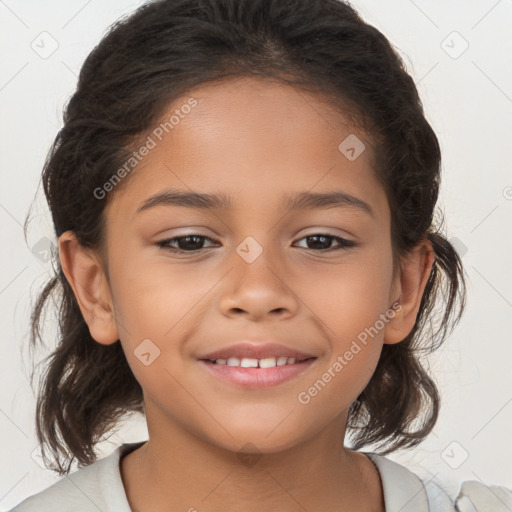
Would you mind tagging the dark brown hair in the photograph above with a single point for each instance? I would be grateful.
(157, 54)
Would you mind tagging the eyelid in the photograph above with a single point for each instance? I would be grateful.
(163, 244)
(343, 243)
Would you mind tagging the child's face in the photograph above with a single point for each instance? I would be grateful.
(256, 142)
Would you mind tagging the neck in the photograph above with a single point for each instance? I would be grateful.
(181, 471)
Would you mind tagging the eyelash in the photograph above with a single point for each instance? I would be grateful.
(344, 243)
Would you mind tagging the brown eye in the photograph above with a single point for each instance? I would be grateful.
(322, 242)
(187, 243)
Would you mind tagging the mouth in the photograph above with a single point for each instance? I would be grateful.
(252, 373)
(267, 362)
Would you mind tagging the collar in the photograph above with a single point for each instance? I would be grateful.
(403, 490)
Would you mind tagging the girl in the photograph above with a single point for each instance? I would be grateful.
(243, 194)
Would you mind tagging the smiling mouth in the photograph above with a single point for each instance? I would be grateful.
(249, 362)
(249, 373)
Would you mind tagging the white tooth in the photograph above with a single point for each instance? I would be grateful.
(269, 362)
(249, 363)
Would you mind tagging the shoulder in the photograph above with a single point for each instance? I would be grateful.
(473, 496)
(71, 493)
(483, 498)
(405, 491)
(89, 489)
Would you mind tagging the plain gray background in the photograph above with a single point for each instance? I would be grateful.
(458, 52)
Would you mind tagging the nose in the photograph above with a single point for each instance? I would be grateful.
(258, 289)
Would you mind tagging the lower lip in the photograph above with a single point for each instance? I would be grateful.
(257, 378)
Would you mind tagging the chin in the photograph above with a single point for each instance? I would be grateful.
(263, 439)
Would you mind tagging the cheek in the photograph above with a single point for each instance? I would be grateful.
(351, 295)
(151, 297)
(349, 301)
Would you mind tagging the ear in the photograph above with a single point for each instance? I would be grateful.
(416, 267)
(84, 271)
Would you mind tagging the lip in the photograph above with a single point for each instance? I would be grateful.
(257, 378)
(256, 351)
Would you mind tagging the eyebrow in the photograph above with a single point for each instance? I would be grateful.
(300, 201)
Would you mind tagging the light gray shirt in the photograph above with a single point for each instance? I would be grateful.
(99, 487)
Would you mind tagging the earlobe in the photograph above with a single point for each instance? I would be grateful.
(84, 271)
(415, 271)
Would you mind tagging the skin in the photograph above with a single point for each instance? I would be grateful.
(255, 140)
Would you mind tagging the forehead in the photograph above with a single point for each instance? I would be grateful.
(253, 140)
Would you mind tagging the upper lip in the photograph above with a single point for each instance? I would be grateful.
(256, 351)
